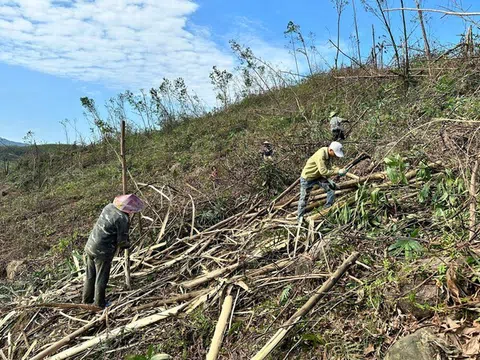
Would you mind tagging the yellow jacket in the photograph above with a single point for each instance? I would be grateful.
(319, 166)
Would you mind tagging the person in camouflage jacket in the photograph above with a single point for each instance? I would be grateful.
(109, 233)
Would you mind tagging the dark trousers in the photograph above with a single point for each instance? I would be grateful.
(306, 187)
(338, 134)
(96, 279)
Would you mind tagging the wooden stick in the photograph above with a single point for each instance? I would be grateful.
(327, 285)
(55, 346)
(123, 157)
(473, 202)
(220, 328)
(126, 253)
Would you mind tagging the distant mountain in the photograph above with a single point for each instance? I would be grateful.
(5, 142)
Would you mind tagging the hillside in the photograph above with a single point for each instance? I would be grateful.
(411, 217)
(5, 142)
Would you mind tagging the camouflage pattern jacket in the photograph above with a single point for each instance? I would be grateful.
(110, 232)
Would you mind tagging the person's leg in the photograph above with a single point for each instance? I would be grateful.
(89, 284)
(330, 194)
(335, 134)
(103, 274)
(305, 188)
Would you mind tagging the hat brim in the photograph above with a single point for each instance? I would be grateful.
(338, 153)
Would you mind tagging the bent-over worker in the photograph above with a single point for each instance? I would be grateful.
(109, 233)
(336, 126)
(317, 171)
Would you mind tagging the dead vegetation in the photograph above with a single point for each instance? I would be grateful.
(256, 283)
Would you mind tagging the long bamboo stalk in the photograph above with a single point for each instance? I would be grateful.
(57, 345)
(287, 326)
(118, 332)
(220, 328)
(473, 202)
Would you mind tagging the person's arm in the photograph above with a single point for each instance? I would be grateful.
(123, 226)
(323, 169)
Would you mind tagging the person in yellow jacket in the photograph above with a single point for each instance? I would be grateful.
(317, 170)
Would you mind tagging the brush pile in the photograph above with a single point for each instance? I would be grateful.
(258, 274)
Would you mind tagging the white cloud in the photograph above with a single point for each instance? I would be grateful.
(118, 43)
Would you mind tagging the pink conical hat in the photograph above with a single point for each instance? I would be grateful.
(128, 203)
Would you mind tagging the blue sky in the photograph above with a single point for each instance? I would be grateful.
(54, 52)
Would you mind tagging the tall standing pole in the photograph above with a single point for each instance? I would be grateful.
(124, 189)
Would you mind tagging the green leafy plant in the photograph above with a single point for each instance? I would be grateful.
(408, 247)
(285, 295)
(150, 355)
(396, 169)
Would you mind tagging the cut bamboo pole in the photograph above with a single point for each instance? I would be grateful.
(327, 285)
(287, 190)
(55, 346)
(172, 300)
(220, 328)
(122, 330)
(209, 276)
(30, 349)
(473, 203)
(87, 307)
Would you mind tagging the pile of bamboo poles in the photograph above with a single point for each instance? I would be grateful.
(237, 258)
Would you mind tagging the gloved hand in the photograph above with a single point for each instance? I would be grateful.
(342, 172)
(332, 185)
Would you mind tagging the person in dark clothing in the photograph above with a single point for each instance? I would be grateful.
(337, 126)
(267, 151)
(109, 233)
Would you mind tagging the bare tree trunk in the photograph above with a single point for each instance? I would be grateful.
(356, 32)
(381, 55)
(374, 48)
(407, 62)
(424, 32)
(338, 38)
(295, 55)
(302, 40)
(389, 30)
(468, 42)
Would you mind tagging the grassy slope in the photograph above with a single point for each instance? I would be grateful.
(78, 183)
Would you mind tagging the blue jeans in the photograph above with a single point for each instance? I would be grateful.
(306, 187)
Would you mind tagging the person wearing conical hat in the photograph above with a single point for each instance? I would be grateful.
(109, 233)
(267, 151)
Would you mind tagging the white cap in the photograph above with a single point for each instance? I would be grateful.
(337, 149)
